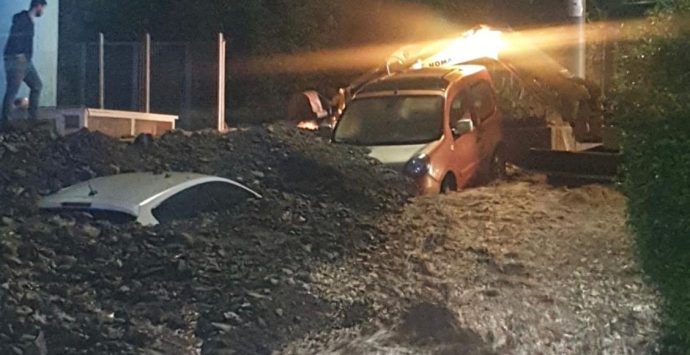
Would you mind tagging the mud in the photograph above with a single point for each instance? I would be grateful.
(337, 258)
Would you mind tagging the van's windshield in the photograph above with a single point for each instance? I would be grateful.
(391, 120)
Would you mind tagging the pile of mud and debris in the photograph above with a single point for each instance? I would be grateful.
(273, 158)
(234, 281)
(518, 267)
(336, 258)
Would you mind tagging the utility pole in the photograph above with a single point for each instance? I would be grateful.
(222, 50)
(101, 71)
(145, 93)
(577, 10)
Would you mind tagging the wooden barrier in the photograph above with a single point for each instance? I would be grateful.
(114, 123)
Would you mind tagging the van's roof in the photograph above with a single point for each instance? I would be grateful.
(433, 79)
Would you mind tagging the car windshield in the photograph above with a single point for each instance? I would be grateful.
(391, 120)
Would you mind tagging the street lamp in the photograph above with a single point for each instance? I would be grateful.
(577, 10)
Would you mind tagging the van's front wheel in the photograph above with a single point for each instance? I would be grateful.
(449, 184)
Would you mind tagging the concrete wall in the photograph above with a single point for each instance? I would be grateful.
(45, 46)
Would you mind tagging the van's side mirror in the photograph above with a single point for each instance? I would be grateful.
(463, 127)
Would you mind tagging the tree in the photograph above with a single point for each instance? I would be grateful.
(652, 106)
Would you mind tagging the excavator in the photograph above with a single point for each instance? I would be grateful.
(554, 120)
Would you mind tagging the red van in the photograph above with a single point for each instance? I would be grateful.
(440, 126)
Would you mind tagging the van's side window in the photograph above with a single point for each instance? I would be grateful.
(483, 100)
(458, 108)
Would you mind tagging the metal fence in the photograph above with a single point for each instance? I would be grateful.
(183, 78)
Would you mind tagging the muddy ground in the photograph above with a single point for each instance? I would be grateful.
(515, 268)
(337, 258)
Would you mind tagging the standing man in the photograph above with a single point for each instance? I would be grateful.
(18, 66)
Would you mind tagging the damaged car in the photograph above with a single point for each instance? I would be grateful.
(149, 198)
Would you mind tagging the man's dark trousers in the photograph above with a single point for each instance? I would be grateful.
(18, 69)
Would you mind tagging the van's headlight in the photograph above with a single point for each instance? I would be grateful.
(417, 167)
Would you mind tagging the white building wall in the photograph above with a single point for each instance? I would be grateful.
(45, 46)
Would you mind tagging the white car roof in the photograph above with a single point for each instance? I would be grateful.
(127, 193)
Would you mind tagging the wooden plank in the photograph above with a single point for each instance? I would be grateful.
(117, 124)
(131, 115)
(154, 128)
(114, 127)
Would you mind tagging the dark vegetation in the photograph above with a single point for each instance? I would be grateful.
(653, 108)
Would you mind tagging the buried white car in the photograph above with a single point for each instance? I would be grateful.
(148, 198)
